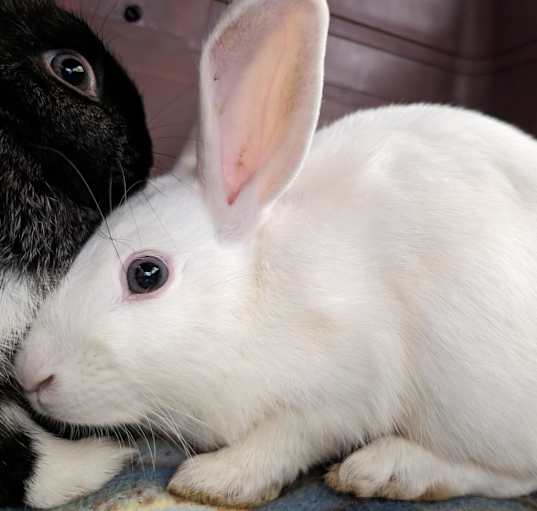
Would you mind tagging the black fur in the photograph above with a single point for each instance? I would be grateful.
(16, 462)
(46, 210)
(65, 161)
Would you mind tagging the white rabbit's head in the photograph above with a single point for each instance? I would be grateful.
(163, 315)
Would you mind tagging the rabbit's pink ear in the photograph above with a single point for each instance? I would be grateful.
(261, 87)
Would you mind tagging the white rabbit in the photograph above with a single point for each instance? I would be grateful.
(389, 296)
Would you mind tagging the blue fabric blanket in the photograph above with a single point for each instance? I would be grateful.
(142, 487)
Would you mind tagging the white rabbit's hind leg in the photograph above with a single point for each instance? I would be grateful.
(395, 468)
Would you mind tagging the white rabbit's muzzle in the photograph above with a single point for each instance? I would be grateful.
(75, 388)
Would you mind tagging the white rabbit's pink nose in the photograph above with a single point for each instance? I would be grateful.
(34, 367)
(37, 385)
(32, 375)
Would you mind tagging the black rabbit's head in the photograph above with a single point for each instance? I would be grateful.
(73, 137)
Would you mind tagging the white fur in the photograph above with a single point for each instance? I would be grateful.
(389, 296)
(64, 470)
(67, 470)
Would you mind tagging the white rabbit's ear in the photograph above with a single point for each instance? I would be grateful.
(260, 93)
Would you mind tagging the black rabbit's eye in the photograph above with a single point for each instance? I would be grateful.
(146, 274)
(73, 70)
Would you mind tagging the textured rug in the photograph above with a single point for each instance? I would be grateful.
(142, 487)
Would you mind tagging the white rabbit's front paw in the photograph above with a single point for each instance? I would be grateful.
(393, 468)
(222, 480)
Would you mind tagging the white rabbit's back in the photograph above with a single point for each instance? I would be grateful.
(420, 222)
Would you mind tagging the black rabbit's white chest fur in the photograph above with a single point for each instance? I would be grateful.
(73, 143)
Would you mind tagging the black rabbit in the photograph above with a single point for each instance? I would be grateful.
(73, 144)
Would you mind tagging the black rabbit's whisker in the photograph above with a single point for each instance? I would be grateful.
(95, 12)
(88, 187)
(110, 198)
(106, 19)
(163, 109)
(171, 156)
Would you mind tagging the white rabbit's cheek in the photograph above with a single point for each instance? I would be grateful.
(146, 275)
(91, 399)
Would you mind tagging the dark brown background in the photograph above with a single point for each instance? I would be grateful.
(477, 53)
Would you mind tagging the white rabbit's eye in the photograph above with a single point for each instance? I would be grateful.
(146, 274)
(73, 70)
